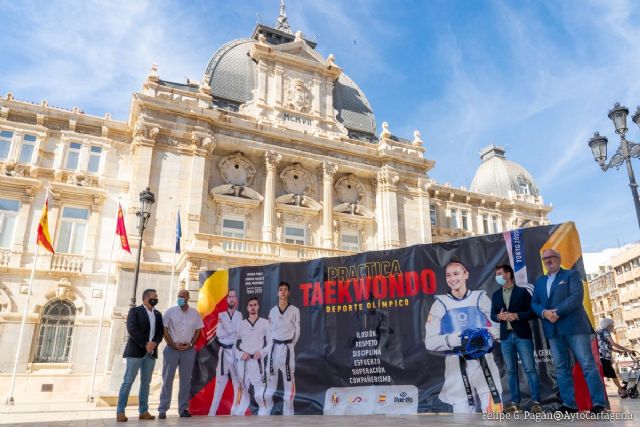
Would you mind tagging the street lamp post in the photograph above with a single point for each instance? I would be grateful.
(147, 199)
(627, 149)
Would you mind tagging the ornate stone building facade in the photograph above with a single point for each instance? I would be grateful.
(273, 156)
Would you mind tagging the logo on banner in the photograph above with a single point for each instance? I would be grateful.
(403, 398)
(382, 398)
(358, 399)
(335, 400)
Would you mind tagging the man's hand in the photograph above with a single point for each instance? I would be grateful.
(183, 346)
(151, 346)
(245, 356)
(257, 355)
(502, 316)
(512, 317)
(550, 315)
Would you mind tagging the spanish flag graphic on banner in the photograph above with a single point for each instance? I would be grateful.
(122, 231)
(212, 300)
(44, 238)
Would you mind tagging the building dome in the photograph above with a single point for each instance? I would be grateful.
(232, 72)
(501, 177)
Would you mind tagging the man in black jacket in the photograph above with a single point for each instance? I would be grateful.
(511, 306)
(145, 328)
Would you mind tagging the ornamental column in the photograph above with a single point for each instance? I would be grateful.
(328, 171)
(272, 159)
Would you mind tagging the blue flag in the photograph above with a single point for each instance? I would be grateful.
(178, 232)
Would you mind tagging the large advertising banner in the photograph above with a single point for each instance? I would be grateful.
(382, 332)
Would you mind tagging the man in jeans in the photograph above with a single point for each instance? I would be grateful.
(557, 300)
(182, 326)
(511, 306)
(145, 329)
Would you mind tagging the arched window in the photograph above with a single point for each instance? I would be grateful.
(56, 331)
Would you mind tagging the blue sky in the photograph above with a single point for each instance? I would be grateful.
(537, 77)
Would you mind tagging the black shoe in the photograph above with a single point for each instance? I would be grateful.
(185, 414)
(567, 409)
(162, 416)
(598, 409)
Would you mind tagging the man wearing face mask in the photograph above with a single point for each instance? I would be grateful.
(182, 326)
(144, 326)
(511, 306)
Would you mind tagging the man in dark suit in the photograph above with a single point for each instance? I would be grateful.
(145, 328)
(557, 299)
(511, 306)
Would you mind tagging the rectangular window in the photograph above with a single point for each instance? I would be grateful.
(350, 241)
(495, 224)
(485, 223)
(8, 214)
(294, 233)
(95, 153)
(72, 230)
(233, 227)
(454, 218)
(433, 213)
(524, 188)
(26, 149)
(5, 144)
(73, 156)
(465, 220)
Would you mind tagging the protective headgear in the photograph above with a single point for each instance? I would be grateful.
(475, 343)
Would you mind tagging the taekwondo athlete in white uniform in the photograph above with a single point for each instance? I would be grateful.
(226, 336)
(284, 323)
(251, 349)
(452, 315)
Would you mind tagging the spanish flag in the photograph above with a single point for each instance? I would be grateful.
(44, 239)
(122, 231)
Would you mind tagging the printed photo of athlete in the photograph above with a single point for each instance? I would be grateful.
(251, 348)
(226, 337)
(284, 329)
(459, 325)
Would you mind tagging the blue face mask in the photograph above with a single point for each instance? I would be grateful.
(181, 302)
(501, 280)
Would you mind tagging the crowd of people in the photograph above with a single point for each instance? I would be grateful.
(252, 352)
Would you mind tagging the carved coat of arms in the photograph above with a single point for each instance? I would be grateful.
(298, 95)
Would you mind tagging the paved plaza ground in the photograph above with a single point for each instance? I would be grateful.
(85, 414)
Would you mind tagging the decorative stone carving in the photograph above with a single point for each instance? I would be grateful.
(63, 290)
(417, 141)
(386, 133)
(328, 169)
(11, 168)
(153, 133)
(262, 38)
(237, 169)
(350, 189)
(272, 159)
(139, 130)
(153, 73)
(387, 177)
(296, 180)
(298, 95)
(205, 88)
(81, 179)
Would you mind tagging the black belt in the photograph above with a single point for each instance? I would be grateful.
(487, 376)
(222, 348)
(288, 369)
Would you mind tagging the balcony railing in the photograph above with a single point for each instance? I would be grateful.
(71, 263)
(5, 257)
(258, 249)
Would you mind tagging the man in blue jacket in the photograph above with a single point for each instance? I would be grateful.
(511, 306)
(557, 299)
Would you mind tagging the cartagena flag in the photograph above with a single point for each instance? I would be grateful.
(44, 239)
(122, 231)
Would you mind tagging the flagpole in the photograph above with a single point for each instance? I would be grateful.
(10, 400)
(104, 305)
(173, 260)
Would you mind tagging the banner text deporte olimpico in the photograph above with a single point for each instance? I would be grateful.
(370, 333)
